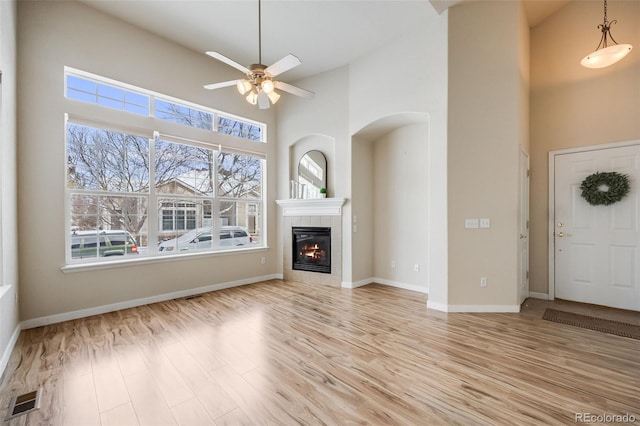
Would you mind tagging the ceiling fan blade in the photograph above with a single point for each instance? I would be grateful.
(263, 100)
(284, 64)
(220, 85)
(294, 90)
(228, 61)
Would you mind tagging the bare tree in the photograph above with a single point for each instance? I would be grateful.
(239, 176)
(117, 165)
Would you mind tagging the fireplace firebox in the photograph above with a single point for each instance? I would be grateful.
(311, 249)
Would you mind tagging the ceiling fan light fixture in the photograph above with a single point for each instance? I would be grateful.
(267, 86)
(243, 86)
(263, 100)
(252, 97)
(273, 96)
(605, 55)
(259, 85)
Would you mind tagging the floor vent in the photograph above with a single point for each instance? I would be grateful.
(195, 296)
(23, 404)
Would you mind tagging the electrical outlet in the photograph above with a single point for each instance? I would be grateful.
(393, 264)
(416, 267)
(483, 281)
(263, 260)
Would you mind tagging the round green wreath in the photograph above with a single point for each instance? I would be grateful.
(604, 188)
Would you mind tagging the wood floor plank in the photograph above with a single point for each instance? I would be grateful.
(123, 415)
(236, 417)
(148, 402)
(215, 400)
(192, 413)
(283, 352)
(80, 401)
(171, 384)
(111, 391)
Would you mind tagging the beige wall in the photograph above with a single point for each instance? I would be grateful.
(349, 111)
(486, 131)
(400, 205)
(305, 124)
(572, 106)
(55, 34)
(8, 186)
(364, 190)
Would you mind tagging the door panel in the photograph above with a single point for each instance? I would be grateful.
(596, 247)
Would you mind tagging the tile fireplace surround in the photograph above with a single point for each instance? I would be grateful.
(323, 212)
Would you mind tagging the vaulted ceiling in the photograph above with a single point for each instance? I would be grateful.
(324, 34)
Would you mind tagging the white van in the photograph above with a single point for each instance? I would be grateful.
(200, 239)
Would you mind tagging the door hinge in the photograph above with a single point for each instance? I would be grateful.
(528, 172)
(527, 274)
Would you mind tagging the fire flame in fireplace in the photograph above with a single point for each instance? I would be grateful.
(312, 253)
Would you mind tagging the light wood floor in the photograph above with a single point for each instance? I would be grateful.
(291, 353)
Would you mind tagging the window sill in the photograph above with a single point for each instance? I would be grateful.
(94, 266)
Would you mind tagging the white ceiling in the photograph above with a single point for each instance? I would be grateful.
(324, 34)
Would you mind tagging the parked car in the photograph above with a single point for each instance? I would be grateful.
(200, 239)
(102, 243)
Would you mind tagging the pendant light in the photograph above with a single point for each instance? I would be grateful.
(605, 55)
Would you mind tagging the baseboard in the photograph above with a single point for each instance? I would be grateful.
(347, 284)
(473, 308)
(535, 295)
(7, 351)
(483, 308)
(82, 313)
(437, 306)
(404, 286)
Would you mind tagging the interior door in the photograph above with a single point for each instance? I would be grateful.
(523, 225)
(596, 247)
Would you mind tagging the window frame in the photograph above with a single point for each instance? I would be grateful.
(105, 118)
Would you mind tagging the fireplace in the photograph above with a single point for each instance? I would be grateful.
(311, 249)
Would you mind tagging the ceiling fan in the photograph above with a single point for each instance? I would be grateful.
(259, 85)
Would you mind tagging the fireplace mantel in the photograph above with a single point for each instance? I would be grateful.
(315, 207)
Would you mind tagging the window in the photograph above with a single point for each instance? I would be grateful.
(81, 86)
(241, 129)
(136, 193)
(178, 216)
(181, 114)
(106, 95)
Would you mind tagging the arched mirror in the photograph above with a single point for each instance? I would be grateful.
(312, 173)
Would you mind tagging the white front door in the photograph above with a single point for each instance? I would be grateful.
(596, 248)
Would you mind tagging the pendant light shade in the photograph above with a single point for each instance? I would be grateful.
(606, 55)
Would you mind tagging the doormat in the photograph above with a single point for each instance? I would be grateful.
(592, 323)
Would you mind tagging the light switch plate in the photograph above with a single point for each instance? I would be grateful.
(471, 223)
(485, 223)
